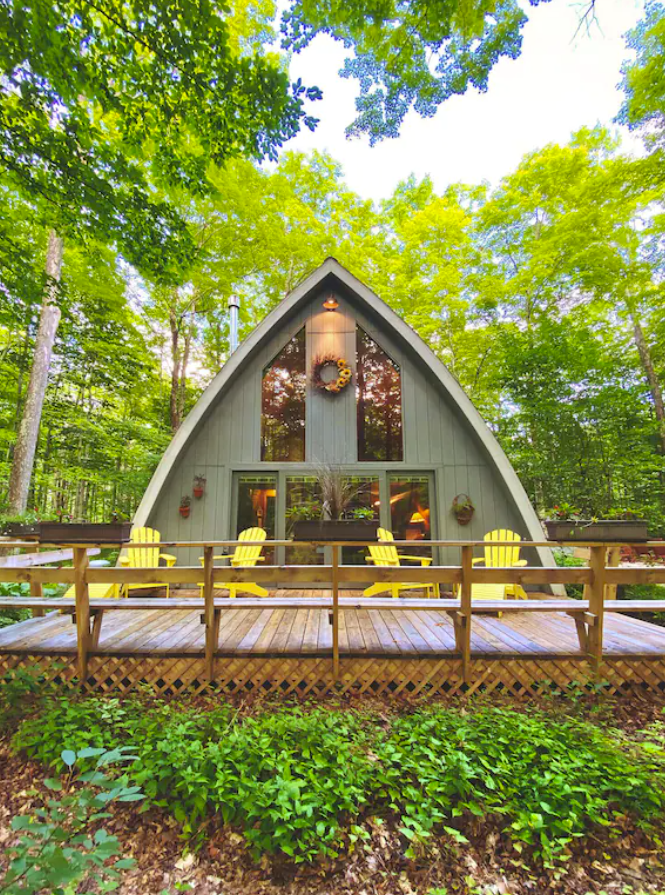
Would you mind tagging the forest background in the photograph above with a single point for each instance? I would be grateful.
(544, 295)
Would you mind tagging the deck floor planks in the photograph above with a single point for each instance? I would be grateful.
(281, 636)
(230, 643)
(510, 638)
(419, 633)
(263, 641)
(297, 633)
(148, 631)
(355, 633)
(439, 628)
(371, 638)
(248, 642)
(400, 639)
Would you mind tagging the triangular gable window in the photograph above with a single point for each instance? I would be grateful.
(379, 402)
(283, 403)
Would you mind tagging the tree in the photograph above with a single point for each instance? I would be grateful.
(413, 54)
(644, 81)
(100, 104)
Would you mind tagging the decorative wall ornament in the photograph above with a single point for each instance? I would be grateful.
(463, 509)
(334, 386)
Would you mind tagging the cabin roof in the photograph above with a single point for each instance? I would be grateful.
(327, 273)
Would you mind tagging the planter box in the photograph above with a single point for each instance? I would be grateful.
(335, 531)
(21, 530)
(85, 532)
(619, 530)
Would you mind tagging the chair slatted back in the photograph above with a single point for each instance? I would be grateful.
(248, 556)
(144, 557)
(501, 556)
(384, 554)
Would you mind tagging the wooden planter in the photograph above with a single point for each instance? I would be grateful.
(22, 530)
(335, 531)
(621, 530)
(85, 532)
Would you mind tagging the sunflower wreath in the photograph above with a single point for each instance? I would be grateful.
(335, 386)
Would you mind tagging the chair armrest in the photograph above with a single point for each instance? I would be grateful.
(170, 559)
(220, 556)
(520, 562)
(477, 560)
(369, 559)
(423, 560)
(124, 560)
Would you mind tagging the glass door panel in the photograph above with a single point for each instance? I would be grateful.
(257, 500)
(303, 503)
(363, 507)
(410, 514)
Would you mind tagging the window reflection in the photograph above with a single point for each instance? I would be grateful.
(303, 503)
(410, 508)
(379, 402)
(363, 507)
(257, 496)
(283, 403)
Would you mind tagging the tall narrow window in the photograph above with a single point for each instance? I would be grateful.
(379, 402)
(283, 403)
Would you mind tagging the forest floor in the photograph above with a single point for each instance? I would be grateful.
(625, 863)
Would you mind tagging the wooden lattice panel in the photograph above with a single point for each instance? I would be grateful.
(303, 676)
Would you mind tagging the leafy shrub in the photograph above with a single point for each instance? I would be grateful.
(567, 560)
(297, 782)
(552, 781)
(15, 589)
(57, 850)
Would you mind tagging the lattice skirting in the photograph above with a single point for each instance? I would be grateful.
(313, 676)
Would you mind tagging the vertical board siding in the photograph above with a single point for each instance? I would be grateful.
(436, 435)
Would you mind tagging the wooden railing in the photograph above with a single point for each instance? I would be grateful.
(600, 579)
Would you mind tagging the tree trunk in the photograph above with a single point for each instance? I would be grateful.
(652, 378)
(175, 370)
(28, 432)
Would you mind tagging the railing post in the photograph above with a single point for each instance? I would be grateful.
(82, 597)
(211, 626)
(596, 616)
(37, 590)
(335, 610)
(465, 611)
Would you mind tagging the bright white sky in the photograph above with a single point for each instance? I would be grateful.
(559, 83)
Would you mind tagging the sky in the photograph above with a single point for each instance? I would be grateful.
(561, 82)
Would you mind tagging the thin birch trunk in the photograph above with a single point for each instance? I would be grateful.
(28, 432)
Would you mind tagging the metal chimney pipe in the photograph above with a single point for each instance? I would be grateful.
(234, 305)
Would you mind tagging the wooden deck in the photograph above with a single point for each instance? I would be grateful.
(306, 632)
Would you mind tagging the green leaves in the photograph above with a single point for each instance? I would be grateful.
(301, 783)
(56, 851)
(103, 106)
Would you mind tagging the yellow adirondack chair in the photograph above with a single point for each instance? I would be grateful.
(385, 554)
(139, 557)
(497, 557)
(244, 557)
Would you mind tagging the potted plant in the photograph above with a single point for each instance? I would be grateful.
(463, 509)
(199, 486)
(185, 506)
(63, 531)
(333, 518)
(565, 522)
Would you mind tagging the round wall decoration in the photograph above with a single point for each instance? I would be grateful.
(333, 386)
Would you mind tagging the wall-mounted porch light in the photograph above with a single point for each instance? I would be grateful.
(331, 303)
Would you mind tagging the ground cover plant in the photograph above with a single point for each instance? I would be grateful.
(303, 784)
